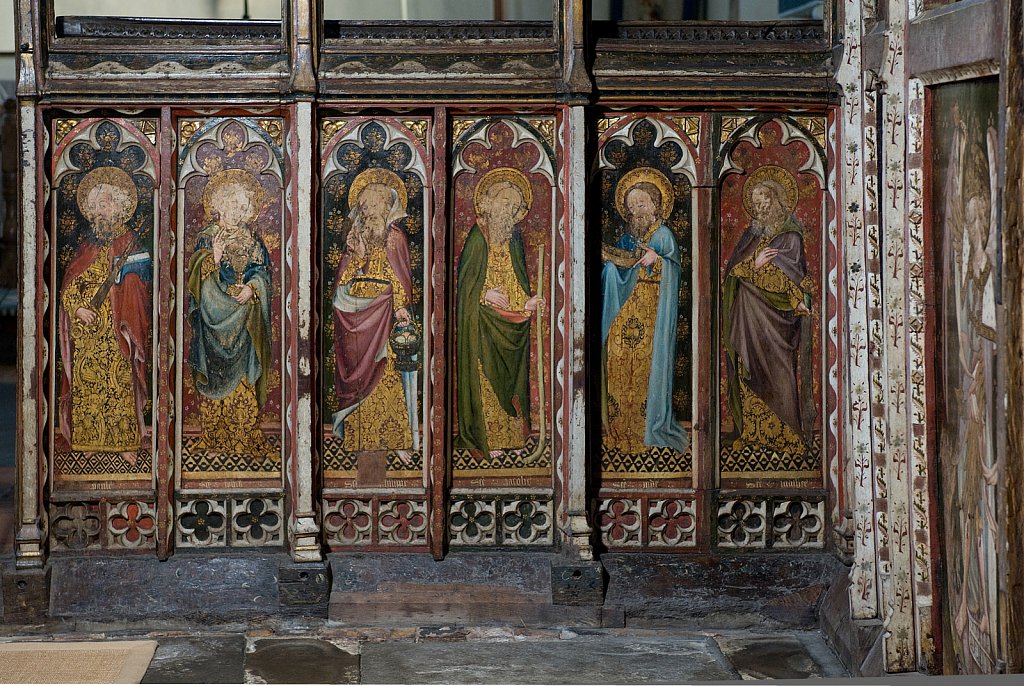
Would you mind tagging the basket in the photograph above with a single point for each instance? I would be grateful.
(405, 343)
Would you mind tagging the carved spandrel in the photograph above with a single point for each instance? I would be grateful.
(461, 126)
(606, 123)
(148, 127)
(329, 127)
(730, 124)
(546, 127)
(186, 129)
(418, 128)
(61, 128)
(815, 126)
(273, 129)
(690, 126)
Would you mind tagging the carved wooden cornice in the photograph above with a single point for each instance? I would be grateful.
(767, 33)
(135, 56)
(663, 59)
(442, 58)
(126, 28)
(446, 31)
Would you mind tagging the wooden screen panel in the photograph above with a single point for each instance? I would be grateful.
(375, 209)
(104, 176)
(771, 217)
(231, 225)
(649, 331)
(504, 217)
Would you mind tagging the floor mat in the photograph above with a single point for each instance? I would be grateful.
(108, 662)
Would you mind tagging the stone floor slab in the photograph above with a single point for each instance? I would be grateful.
(822, 654)
(780, 657)
(300, 661)
(198, 659)
(579, 660)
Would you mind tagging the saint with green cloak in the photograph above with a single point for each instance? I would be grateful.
(493, 310)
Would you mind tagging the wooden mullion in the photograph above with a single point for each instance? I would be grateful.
(441, 305)
(165, 311)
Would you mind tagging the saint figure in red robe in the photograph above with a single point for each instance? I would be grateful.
(105, 322)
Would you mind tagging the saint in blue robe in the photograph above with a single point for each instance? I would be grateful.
(617, 285)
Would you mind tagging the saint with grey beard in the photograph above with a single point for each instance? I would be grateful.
(373, 293)
(767, 324)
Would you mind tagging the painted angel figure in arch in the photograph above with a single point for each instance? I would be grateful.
(494, 307)
(105, 323)
(229, 283)
(640, 293)
(374, 375)
(767, 320)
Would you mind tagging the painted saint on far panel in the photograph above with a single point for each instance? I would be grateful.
(103, 204)
(230, 194)
(374, 202)
(964, 191)
(772, 205)
(646, 337)
(503, 214)
(766, 318)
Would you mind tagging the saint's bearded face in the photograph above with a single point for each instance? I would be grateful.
(371, 219)
(642, 211)
(105, 209)
(767, 208)
(498, 211)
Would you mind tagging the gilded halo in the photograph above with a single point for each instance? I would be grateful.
(110, 176)
(778, 175)
(648, 175)
(508, 175)
(233, 177)
(384, 177)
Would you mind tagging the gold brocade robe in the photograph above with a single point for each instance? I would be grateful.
(630, 349)
(103, 410)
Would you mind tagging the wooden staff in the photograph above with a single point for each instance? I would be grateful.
(543, 438)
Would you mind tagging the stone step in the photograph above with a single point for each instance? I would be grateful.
(412, 611)
(512, 588)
